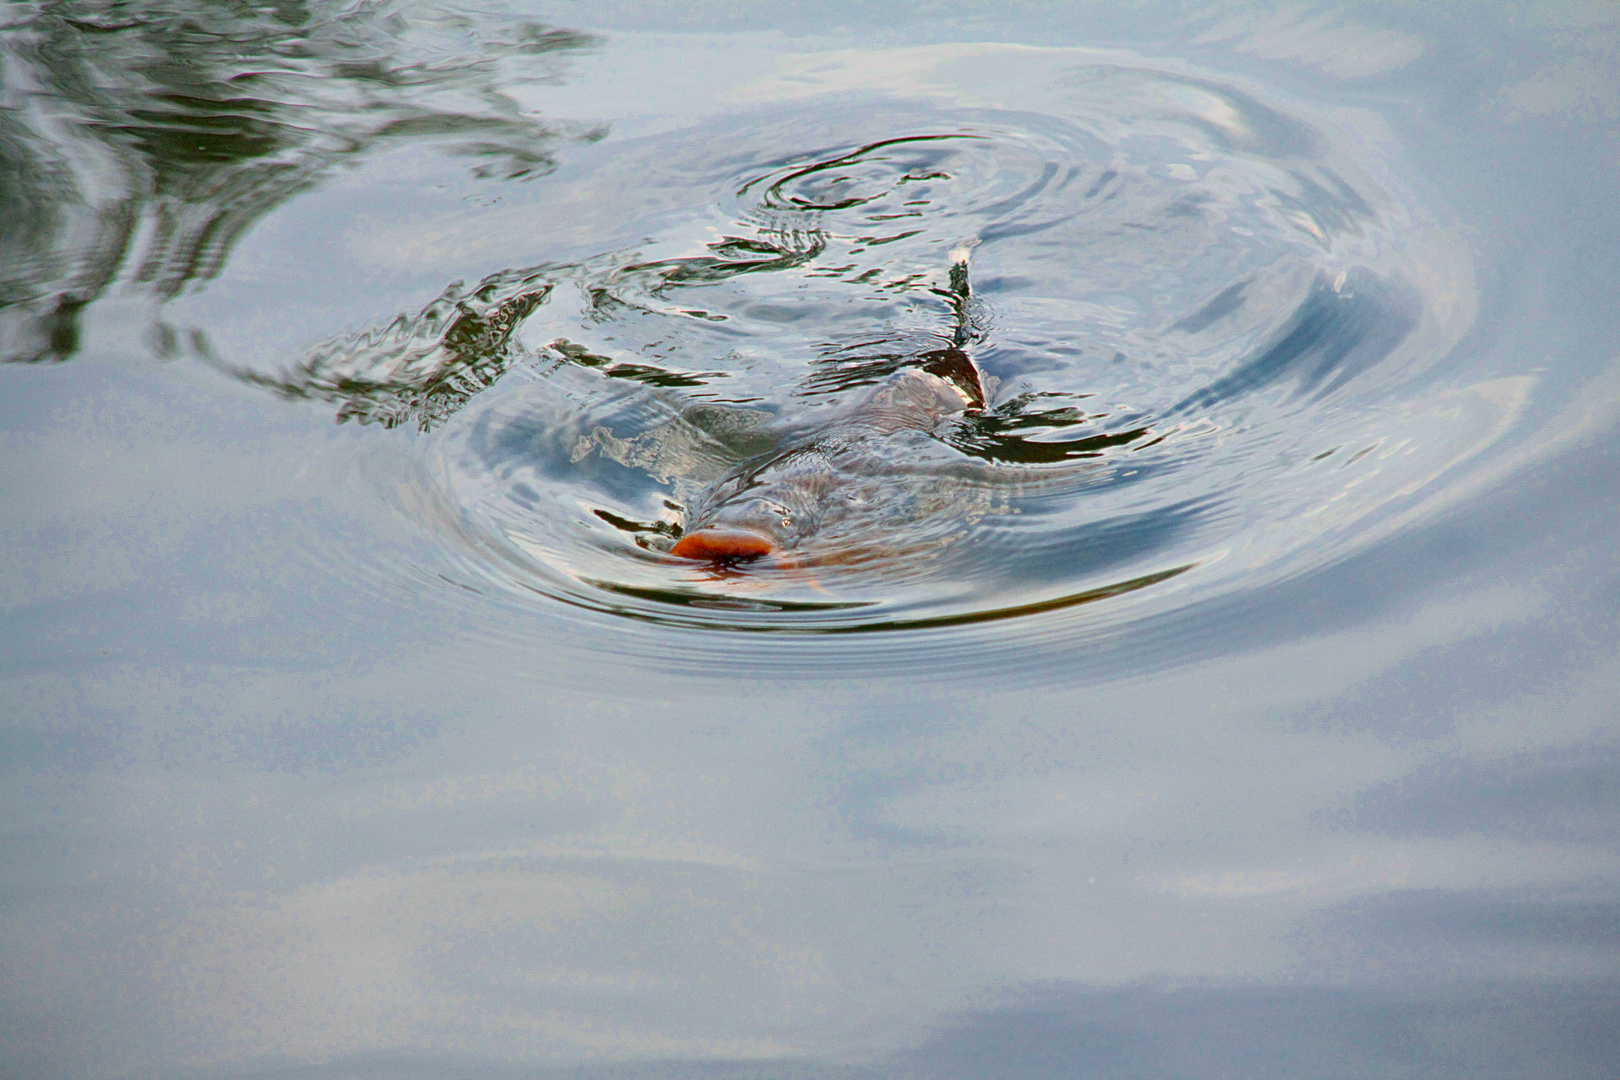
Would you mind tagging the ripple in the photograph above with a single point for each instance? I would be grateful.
(1209, 333)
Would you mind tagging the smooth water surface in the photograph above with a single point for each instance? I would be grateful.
(1187, 645)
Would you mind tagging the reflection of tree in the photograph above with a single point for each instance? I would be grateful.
(144, 138)
(422, 367)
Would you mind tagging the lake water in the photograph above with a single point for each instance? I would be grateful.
(1210, 667)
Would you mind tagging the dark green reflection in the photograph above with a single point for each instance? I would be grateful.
(1017, 432)
(769, 250)
(143, 139)
(424, 368)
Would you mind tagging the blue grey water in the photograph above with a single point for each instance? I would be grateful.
(1232, 692)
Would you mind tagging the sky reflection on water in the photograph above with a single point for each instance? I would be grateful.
(292, 789)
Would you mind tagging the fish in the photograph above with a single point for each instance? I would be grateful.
(829, 479)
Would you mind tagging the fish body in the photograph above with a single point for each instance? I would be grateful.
(842, 471)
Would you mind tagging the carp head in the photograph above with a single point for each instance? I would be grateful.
(837, 470)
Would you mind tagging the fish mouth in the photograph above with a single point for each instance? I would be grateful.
(723, 545)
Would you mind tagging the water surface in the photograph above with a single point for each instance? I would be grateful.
(1226, 690)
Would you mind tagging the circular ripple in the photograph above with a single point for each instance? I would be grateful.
(1207, 328)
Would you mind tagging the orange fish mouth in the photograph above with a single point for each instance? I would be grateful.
(718, 545)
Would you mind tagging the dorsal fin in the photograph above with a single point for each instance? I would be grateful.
(954, 364)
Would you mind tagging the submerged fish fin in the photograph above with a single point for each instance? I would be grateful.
(797, 565)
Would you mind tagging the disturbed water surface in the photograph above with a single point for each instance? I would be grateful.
(1194, 335)
(1178, 637)
(1205, 328)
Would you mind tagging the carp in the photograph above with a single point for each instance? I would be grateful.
(844, 468)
